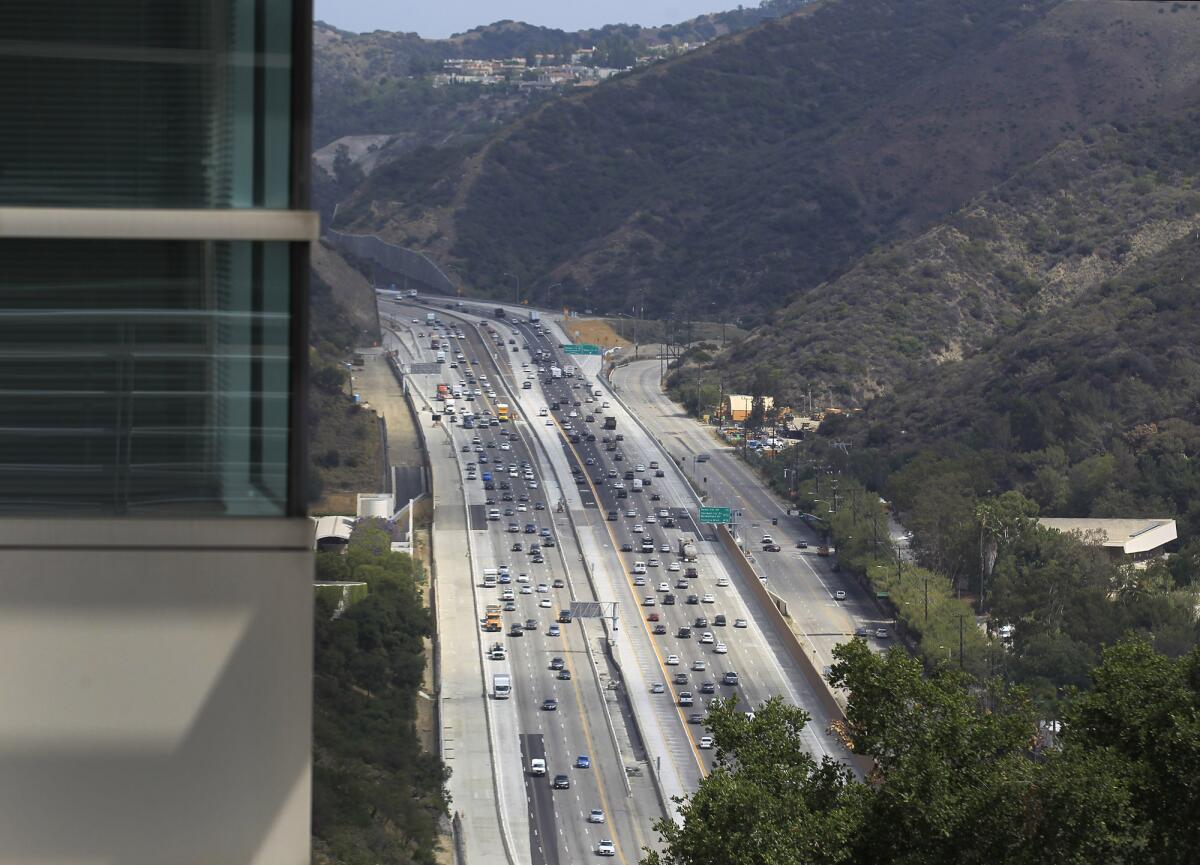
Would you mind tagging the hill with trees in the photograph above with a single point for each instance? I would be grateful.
(738, 178)
(377, 796)
(372, 83)
(1097, 206)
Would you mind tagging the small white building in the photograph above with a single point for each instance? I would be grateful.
(332, 534)
(1137, 540)
(381, 505)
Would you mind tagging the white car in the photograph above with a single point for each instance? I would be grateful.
(651, 520)
(722, 582)
(526, 590)
(720, 649)
(638, 528)
(700, 665)
(653, 563)
(708, 599)
(674, 566)
(740, 623)
(522, 578)
(542, 412)
(664, 587)
(549, 422)
(505, 446)
(658, 688)
(705, 743)
(596, 816)
(544, 602)
(604, 404)
(573, 413)
(839, 595)
(648, 601)
(672, 660)
(639, 581)
(639, 567)
(606, 848)
(533, 485)
(522, 508)
(543, 587)
(707, 637)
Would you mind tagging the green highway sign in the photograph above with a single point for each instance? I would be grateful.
(716, 516)
(581, 348)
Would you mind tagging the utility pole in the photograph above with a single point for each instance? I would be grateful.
(927, 598)
(961, 663)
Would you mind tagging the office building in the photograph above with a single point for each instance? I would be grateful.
(155, 561)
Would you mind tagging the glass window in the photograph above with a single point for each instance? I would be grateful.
(144, 377)
(125, 103)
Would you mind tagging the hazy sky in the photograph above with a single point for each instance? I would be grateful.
(440, 18)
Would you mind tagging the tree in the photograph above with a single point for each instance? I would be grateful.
(1000, 520)
(959, 775)
(1143, 717)
(767, 801)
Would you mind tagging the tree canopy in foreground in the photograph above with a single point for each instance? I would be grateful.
(960, 775)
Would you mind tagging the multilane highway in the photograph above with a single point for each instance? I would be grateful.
(805, 581)
(659, 657)
(548, 825)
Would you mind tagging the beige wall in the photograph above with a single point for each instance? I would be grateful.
(156, 680)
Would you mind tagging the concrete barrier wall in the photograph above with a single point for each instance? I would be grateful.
(396, 261)
(794, 648)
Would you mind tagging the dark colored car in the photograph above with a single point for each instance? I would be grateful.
(684, 633)
(562, 782)
(719, 621)
(660, 629)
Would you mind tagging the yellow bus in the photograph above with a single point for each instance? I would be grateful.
(502, 410)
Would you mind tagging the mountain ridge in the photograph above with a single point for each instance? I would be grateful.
(838, 166)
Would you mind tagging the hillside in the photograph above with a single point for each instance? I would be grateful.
(1088, 211)
(368, 84)
(751, 171)
(1089, 403)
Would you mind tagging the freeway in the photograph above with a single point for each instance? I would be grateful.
(695, 662)
(806, 582)
(572, 737)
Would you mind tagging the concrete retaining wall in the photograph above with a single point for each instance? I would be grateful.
(794, 648)
(396, 262)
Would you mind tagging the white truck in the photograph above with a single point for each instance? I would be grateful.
(501, 686)
(555, 372)
(429, 318)
(441, 357)
(687, 549)
(534, 315)
(448, 408)
(569, 371)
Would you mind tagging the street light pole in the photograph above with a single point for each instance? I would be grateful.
(517, 298)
